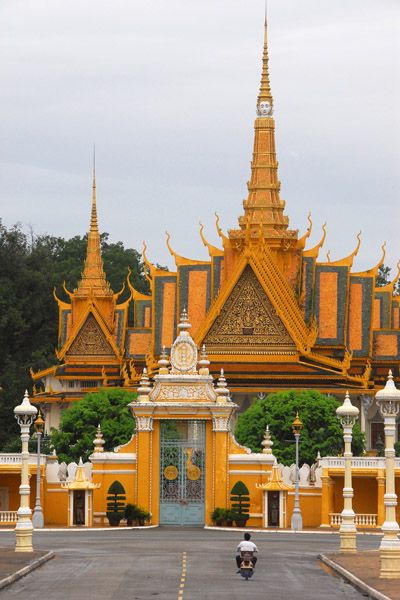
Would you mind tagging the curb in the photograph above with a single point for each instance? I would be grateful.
(25, 570)
(86, 529)
(355, 581)
(306, 532)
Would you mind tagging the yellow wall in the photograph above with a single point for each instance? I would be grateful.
(310, 505)
(365, 495)
(55, 505)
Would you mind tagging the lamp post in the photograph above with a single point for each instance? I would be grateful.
(297, 521)
(347, 415)
(388, 401)
(24, 413)
(37, 519)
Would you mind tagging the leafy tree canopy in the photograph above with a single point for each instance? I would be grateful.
(321, 428)
(30, 267)
(78, 425)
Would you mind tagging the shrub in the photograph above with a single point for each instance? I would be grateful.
(115, 503)
(240, 501)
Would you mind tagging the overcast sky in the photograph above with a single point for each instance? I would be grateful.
(167, 89)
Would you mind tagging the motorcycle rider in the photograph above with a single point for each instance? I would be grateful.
(246, 546)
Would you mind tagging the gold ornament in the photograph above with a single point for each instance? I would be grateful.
(170, 472)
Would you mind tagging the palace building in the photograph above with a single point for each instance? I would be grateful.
(268, 311)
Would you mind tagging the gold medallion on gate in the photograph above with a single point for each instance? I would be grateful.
(170, 472)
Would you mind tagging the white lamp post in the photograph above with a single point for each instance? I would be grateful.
(37, 519)
(388, 401)
(297, 519)
(347, 415)
(24, 413)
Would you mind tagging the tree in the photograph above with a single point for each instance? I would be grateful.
(383, 277)
(240, 502)
(78, 425)
(321, 428)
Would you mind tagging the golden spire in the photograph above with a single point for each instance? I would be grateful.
(265, 100)
(93, 217)
(93, 281)
(264, 215)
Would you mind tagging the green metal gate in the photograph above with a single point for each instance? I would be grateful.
(182, 466)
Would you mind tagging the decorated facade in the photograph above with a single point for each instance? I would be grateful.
(183, 462)
(270, 312)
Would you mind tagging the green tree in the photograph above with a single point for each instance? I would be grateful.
(321, 428)
(109, 408)
(383, 277)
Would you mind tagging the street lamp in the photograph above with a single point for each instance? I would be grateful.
(347, 415)
(297, 521)
(388, 401)
(37, 519)
(24, 413)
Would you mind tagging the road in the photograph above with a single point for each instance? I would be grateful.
(150, 564)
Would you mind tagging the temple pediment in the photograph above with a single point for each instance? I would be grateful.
(248, 320)
(90, 340)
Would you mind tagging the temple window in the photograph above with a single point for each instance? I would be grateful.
(377, 435)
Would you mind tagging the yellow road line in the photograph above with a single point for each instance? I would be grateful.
(183, 577)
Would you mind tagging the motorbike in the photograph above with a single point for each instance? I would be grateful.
(246, 566)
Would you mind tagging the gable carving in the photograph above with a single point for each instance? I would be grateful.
(248, 320)
(91, 340)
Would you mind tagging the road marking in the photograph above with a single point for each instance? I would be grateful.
(183, 577)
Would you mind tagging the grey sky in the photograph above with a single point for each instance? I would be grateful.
(167, 91)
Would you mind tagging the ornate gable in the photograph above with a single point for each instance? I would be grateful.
(90, 340)
(249, 321)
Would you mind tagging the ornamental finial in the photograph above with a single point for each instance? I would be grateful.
(98, 441)
(265, 100)
(267, 442)
(144, 388)
(93, 217)
(184, 324)
(163, 362)
(222, 389)
(204, 363)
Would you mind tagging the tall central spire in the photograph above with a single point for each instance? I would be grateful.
(265, 100)
(93, 281)
(263, 208)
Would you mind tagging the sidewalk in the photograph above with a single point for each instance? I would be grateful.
(362, 570)
(14, 565)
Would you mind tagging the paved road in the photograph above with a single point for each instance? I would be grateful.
(147, 565)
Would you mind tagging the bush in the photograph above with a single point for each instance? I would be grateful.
(115, 503)
(240, 501)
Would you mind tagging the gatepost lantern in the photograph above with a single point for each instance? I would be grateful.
(388, 401)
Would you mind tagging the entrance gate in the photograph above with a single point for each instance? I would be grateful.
(182, 462)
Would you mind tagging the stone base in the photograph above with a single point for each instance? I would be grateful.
(348, 542)
(23, 538)
(390, 563)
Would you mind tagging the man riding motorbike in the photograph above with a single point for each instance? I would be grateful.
(246, 546)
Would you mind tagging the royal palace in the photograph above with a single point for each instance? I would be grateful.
(269, 312)
(263, 314)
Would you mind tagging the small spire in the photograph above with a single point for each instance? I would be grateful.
(93, 281)
(98, 441)
(204, 363)
(265, 100)
(163, 362)
(144, 388)
(184, 324)
(267, 442)
(222, 389)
